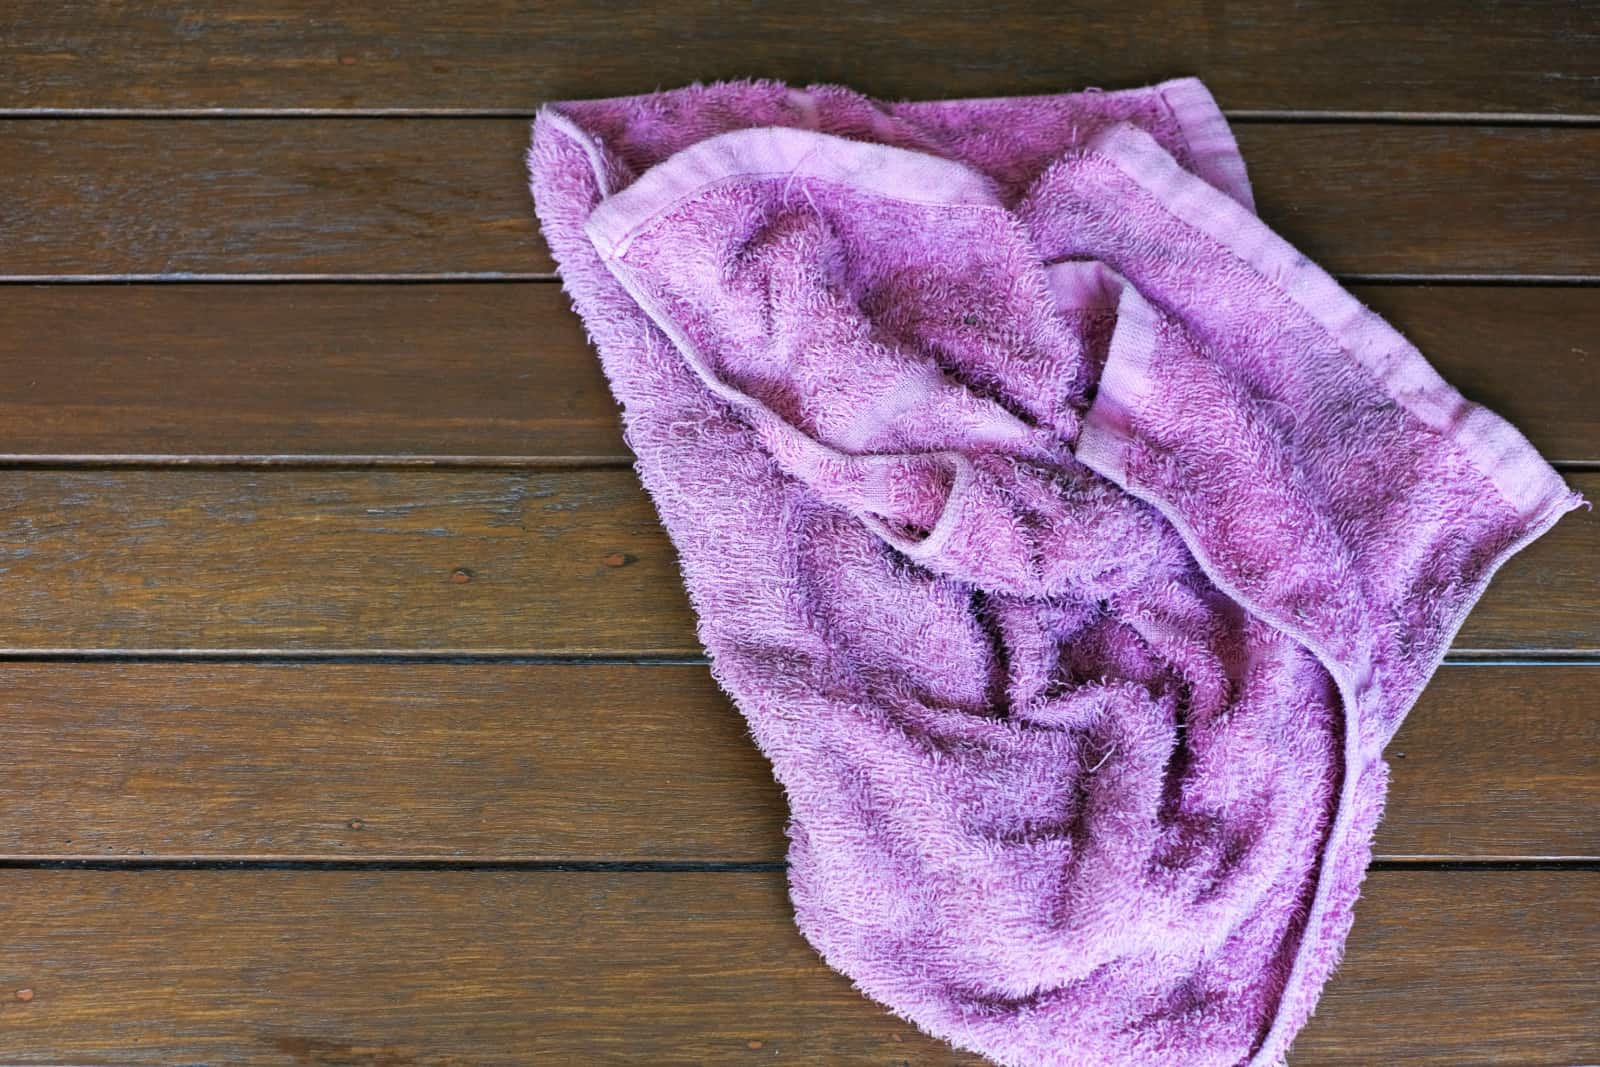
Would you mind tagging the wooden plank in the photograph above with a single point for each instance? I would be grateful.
(266, 197)
(1548, 589)
(1497, 763)
(429, 196)
(504, 372)
(551, 562)
(495, 762)
(273, 966)
(391, 371)
(1421, 982)
(1519, 55)
(485, 762)
(558, 562)
(1304, 176)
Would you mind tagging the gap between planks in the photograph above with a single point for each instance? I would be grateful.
(494, 863)
(1241, 115)
(156, 461)
(549, 278)
(1456, 657)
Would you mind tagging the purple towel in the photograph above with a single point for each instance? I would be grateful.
(1072, 545)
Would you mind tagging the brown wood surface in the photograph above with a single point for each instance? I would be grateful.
(1497, 762)
(1516, 56)
(1421, 980)
(506, 967)
(546, 562)
(447, 196)
(312, 831)
(613, 763)
(465, 371)
(565, 562)
(503, 372)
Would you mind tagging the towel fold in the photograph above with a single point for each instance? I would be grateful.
(1072, 545)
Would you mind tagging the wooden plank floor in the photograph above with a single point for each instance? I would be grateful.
(355, 711)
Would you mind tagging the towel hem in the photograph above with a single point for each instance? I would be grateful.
(1532, 488)
(1210, 138)
(1499, 450)
(1106, 434)
(885, 171)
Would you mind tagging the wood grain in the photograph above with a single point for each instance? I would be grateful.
(1497, 763)
(1521, 55)
(493, 762)
(504, 373)
(358, 197)
(1308, 175)
(1421, 978)
(429, 797)
(360, 370)
(483, 761)
(500, 967)
(558, 562)
(551, 562)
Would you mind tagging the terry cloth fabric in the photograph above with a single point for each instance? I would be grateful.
(1072, 545)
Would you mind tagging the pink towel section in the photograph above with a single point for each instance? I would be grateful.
(1072, 545)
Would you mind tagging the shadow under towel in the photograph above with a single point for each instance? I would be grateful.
(1072, 545)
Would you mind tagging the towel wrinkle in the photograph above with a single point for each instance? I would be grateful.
(1071, 544)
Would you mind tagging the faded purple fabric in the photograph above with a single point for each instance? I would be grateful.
(1072, 545)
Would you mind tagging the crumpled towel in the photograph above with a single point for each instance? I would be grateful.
(1072, 545)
